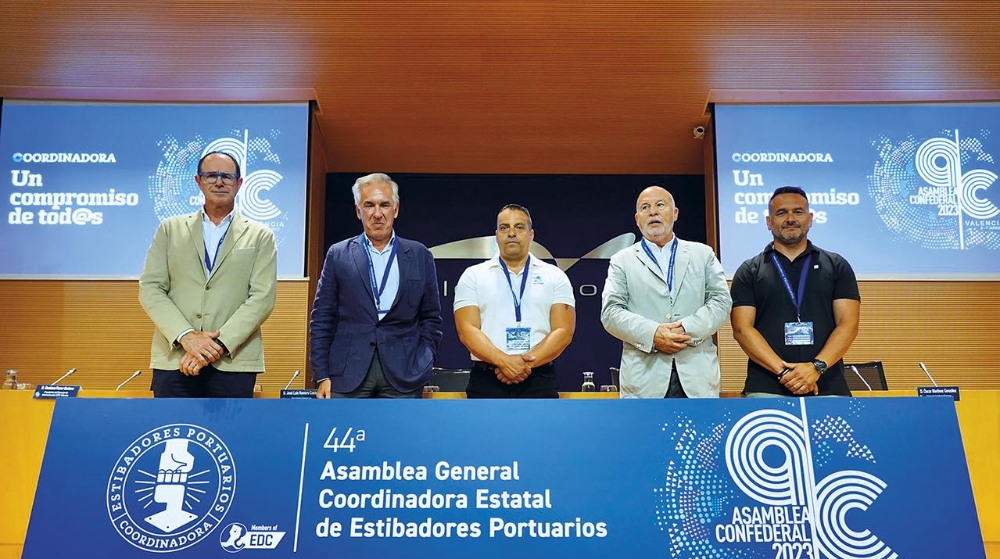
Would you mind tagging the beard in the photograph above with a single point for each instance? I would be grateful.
(790, 236)
(659, 229)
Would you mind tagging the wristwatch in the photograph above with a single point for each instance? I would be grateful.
(820, 366)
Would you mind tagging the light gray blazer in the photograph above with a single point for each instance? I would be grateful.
(636, 301)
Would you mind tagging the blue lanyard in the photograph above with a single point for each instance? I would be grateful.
(376, 290)
(797, 301)
(524, 283)
(211, 263)
(670, 267)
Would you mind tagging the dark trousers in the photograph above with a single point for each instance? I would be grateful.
(208, 383)
(483, 383)
(675, 390)
(375, 385)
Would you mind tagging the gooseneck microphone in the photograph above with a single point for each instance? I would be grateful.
(855, 369)
(128, 380)
(295, 376)
(928, 373)
(60, 379)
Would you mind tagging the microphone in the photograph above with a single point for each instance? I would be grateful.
(926, 372)
(60, 379)
(128, 380)
(855, 369)
(295, 376)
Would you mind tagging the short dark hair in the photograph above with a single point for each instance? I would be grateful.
(519, 208)
(229, 155)
(790, 190)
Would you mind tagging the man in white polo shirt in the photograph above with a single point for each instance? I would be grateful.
(515, 314)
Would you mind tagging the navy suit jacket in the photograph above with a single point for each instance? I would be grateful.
(344, 328)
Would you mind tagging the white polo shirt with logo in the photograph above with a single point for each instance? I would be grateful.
(483, 285)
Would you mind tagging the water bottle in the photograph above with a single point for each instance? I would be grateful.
(588, 382)
(10, 383)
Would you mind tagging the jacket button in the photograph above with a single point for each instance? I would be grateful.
(372, 344)
(197, 315)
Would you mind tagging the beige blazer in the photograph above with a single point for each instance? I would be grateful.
(235, 299)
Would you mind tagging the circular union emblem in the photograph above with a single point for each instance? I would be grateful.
(171, 488)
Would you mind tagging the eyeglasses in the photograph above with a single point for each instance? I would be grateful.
(212, 177)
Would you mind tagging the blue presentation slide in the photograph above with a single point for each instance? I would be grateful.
(901, 191)
(85, 184)
(831, 478)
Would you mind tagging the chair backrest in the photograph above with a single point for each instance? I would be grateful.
(871, 372)
(451, 380)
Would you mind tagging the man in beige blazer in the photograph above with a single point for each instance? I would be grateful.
(208, 284)
(664, 299)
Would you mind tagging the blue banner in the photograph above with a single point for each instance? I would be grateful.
(901, 191)
(744, 479)
(85, 184)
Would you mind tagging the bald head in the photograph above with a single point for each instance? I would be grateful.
(655, 215)
(654, 192)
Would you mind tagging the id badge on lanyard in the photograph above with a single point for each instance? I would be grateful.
(377, 289)
(670, 266)
(799, 332)
(518, 337)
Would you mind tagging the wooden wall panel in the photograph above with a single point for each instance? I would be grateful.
(950, 326)
(518, 86)
(548, 86)
(99, 327)
(47, 327)
(316, 223)
(316, 204)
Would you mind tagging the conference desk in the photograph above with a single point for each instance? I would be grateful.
(24, 425)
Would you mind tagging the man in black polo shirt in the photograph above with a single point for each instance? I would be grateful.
(796, 308)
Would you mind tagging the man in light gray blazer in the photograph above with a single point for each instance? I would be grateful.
(664, 299)
(208, 284)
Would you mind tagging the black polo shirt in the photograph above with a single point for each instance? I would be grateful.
(757, 283)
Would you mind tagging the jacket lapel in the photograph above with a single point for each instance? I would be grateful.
(237, 228)
(362, 264)
(681, 264)
(404, 259)
(197, 235)
(646, 261)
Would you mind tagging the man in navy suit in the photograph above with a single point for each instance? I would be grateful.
(375, 325)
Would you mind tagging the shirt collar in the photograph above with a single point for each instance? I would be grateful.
(495, 261)
(368, 244)
(810, 248)
(206, 220)
(652, 246)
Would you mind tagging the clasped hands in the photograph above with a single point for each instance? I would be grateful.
(201, 350)
(800, 378)
(513, 369)
(670, 337)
